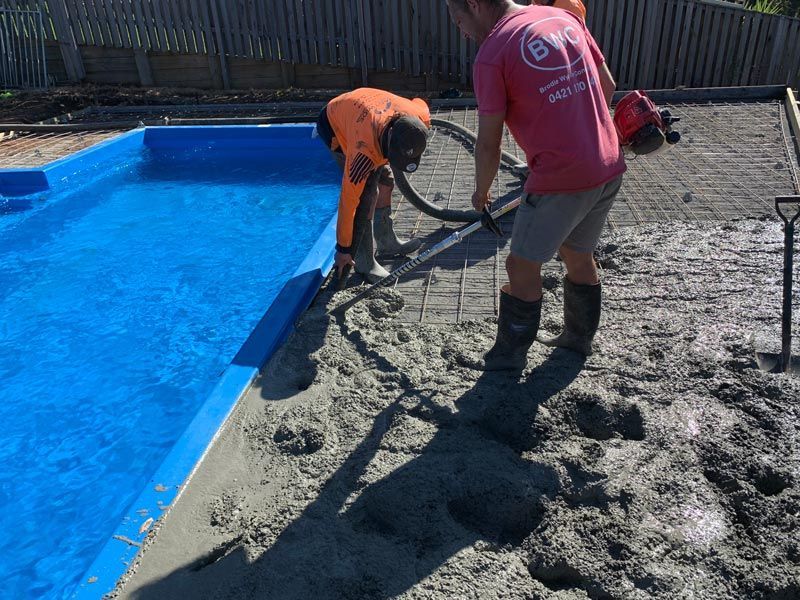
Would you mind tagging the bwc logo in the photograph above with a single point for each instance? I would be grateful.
(556, 44)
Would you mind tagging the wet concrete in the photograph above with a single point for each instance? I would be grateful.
(367, 463)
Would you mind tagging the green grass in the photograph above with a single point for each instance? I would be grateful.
(774, 7)
(6, 95)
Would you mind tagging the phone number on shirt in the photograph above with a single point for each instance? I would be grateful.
(568, 91)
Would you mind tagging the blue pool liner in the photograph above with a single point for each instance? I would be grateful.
(175, 472)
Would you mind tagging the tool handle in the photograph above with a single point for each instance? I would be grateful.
(781, 201)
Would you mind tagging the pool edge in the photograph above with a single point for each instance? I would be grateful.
(183, 460)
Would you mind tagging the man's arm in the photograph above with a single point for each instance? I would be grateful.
(607, 83)
(487, 156)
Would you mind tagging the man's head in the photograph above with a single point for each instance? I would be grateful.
(476, 18)
(408, 137)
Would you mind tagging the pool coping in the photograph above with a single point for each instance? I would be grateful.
(176, 470)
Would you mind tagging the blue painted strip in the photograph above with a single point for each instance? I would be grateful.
(245, 137)
(176, 470)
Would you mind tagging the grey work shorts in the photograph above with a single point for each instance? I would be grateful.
(544, 223)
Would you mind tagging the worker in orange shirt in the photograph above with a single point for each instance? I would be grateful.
(367, 130)
(576, 7)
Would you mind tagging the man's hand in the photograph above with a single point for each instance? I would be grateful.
(341, 261)
(481, 200)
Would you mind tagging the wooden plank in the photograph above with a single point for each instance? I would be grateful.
(93, 18)
(758, 72)
(105, 21)
(362, 42)
(755, 32)
(240, 10)
(604, 28)
(778, 50)
(678, 27)
(261, 37)
(198, 26)
(731, 67)
(370, 33)
(793, 112)
(113, 26)
(224, 23)
(282, 36)
(122, 22)
(270, 23)
(619, 35)
(330, 33)
(792, 67)
(255, 41)
(645, 75)
(153, 31)
(464, 68)
(682, 56)
(67, 43)
(706, 39)
(167, 44)
(164, 20)
(711, 49)
(787, 57)
(179, 30)
(665, 34)
(286, 23)
(445, 44)
(742, 47)
(183, 26)
(626, 65)
(700, 31)
(223, 62)
(725, 50)
(187, 27)
(415, 26)
(301, 31)
(77, 10)
(396, 39)
(350, 40)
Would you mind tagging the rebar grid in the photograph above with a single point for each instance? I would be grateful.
(30, 150)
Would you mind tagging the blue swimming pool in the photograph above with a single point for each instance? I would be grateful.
(134, 282)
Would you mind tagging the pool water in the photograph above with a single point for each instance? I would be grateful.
(122, 300)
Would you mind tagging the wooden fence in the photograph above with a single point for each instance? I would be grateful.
(648, 43)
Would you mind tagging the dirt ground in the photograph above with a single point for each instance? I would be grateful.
(33, 106)
(367, 462)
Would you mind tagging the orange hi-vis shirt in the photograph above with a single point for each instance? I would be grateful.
(576, 7)
(358, 120)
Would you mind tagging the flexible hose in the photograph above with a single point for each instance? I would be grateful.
(448, 214)
(509, 161)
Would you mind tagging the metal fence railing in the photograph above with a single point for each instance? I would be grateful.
(22, 54)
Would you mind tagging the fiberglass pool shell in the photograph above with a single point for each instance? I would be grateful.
(229, 228)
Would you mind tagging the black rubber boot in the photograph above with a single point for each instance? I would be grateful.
(366, 265)
(386, 239)
(581, 317)
(517, 325)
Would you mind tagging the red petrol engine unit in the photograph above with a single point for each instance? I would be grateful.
(643, 127)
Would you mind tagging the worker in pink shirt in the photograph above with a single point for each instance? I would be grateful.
(540, 72)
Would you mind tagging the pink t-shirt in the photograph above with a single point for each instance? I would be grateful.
(539, 65)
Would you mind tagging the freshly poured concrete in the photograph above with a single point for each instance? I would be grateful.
(367, 463)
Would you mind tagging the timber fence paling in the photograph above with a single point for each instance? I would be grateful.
(648, 43)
